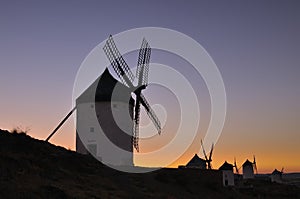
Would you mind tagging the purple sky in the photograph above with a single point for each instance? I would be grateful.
(255, 44)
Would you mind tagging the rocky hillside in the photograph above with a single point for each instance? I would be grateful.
(31, 168)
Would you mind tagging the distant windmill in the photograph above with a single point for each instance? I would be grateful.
(125, 74)
(248, 168)
(127, 77)
(276, 176)
(235, 166)
(208, 159)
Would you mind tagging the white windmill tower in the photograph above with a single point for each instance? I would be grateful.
(248, 170)
(276, 176)
(228, 175)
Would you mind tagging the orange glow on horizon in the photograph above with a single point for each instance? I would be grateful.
(271, 152)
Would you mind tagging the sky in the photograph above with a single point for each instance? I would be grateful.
(255, 44)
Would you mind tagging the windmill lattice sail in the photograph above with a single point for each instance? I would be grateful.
(143, 63)
(235, 166)
(118, 63)
(208, 159)
(126, 76)
(254, 164)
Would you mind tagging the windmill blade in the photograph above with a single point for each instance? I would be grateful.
(110, 42)
(118, 63)
(254, 164)
(235, 165)
(136, 124)
(210, 156)
(141, 60)
(204, 151)
(234, 161)
(143, 63)
(211, 151)
(151, 113)
(116, 66)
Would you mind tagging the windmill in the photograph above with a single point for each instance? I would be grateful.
(208, 159)
(127, 78)
(254, 164)
(235, 166)
(276, 176)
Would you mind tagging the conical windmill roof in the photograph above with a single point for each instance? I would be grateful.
(196, 160)
(247, 163)
(226, 166)
(276, 172)
(103, 88)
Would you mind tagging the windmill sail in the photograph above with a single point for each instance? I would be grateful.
(125, 74)
(235, 166)
(143, 63)
(254, 164)
(151, 113)
(211, 151)
(118, 63)
(208, 159)
(204, 151)
(136, 124)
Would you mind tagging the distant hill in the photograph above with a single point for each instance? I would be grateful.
(31, 168)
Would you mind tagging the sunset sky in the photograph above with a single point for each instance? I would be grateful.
(255, 44)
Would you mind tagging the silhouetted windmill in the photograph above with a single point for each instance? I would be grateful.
(208, 159)
(276, 176)
(127, 77)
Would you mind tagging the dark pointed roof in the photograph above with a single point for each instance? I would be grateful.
(247, 163)
(103, 88)
(226, 166)
(196, 160)
(276, 172)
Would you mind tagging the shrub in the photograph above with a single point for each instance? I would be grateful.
(19, 130)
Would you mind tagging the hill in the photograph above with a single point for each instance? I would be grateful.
(31, 168)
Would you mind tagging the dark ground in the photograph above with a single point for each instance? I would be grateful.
(31, 168)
